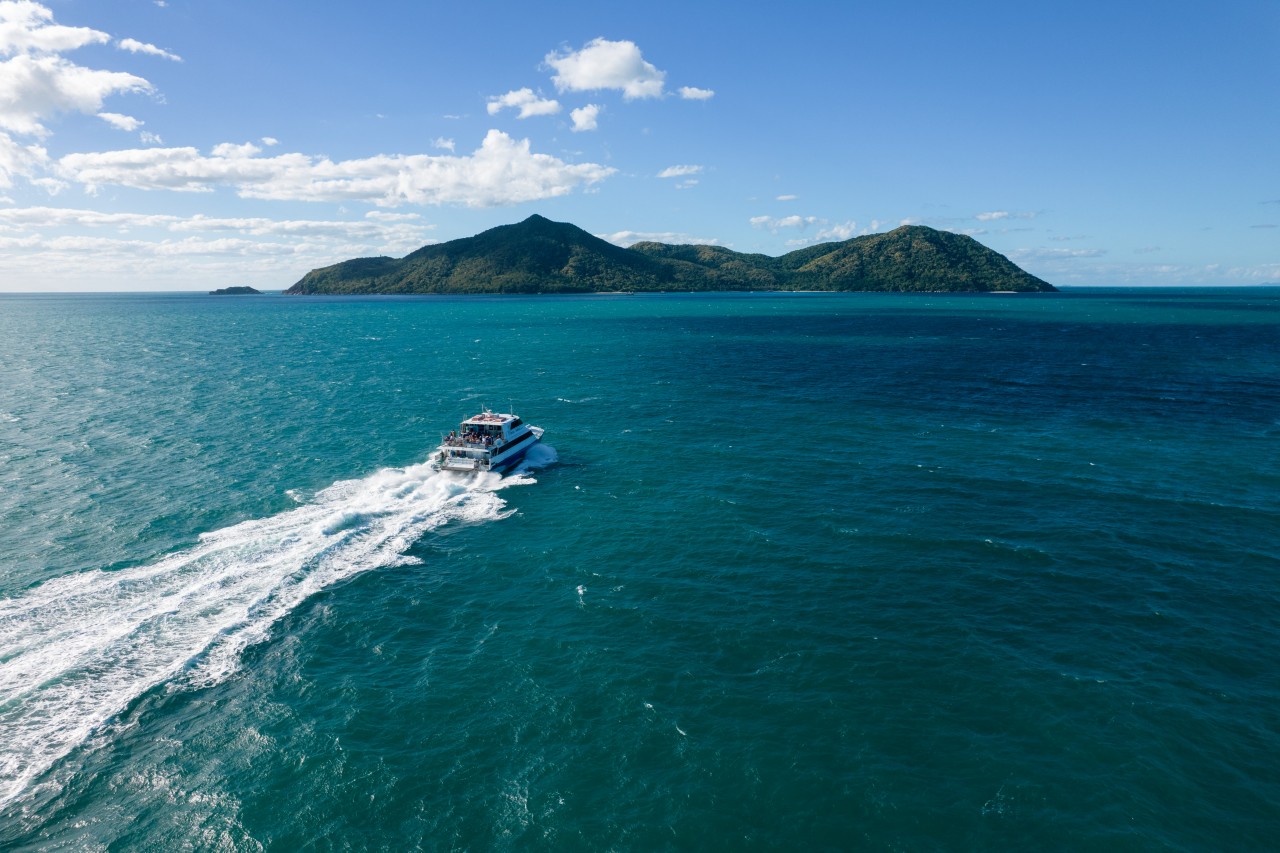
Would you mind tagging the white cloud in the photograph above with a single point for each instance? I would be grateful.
(386, 216)
(774, 224)
(501, 171)
(135, 46)
(376, 225)
(36, 82)
(34, 88)
(270, 141)
(1041, 254)
(604, 64)
(842, 231)
(585, 118)
(679, 171)
(443, 144)
(123, 122)
(18, 159)
(110, 249)
(149, 138)
(526, 101)
(693, 93)
(993, 215)
(630, 238)
(27, 27)
(787, 197)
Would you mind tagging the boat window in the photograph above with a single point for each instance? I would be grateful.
(515, 423)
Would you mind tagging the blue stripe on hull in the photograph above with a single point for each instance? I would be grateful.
(507, 464)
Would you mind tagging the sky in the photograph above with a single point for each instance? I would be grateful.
(186, 145)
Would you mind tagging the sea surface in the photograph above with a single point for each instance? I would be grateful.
(793, 572)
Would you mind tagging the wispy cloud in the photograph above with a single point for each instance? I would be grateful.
(994, 215)
(776, 224)
(1046, 254)
(630, 238)
(123, 122)
(679, 171)
(135, 46)
(95, 247)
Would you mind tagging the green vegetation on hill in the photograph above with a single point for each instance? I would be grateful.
(541, 256)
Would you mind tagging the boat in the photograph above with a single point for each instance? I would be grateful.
(489, 441)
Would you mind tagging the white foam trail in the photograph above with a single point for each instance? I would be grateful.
(75, 651)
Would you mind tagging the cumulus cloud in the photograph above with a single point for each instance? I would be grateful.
(679, 171)
(693, 93)
(36, 82)
(135, 46)
(27, 27)
(675, 238)
(501, 171)
(585, 118)
(604, 64)
(34, 88)
(123, 122)
(525, 101)
(444, 144)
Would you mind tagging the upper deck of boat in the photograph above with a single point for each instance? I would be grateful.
(490, 419)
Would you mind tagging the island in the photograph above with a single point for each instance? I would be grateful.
(541, 256)
(242, 290)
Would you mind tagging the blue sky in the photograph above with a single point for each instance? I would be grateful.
(183, 144)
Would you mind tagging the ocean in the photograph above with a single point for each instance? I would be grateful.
(792, 572)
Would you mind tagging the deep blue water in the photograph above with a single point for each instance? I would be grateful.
(808, 571)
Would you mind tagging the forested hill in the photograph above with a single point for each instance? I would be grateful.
(541, 256)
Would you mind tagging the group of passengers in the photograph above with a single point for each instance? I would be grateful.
(469, 436)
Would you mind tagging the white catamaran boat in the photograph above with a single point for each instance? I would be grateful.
(488, 441)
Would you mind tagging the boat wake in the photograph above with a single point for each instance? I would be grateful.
(77, 650)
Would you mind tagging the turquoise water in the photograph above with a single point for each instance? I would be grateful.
(801, 571)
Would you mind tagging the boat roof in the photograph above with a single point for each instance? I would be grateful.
(489, 418)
